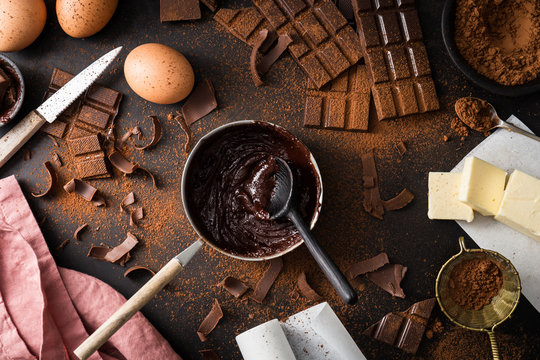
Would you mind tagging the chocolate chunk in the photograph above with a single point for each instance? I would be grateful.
(342, 104)
(306, 290)
(235, 287)
(85, 190)
(403, 330)
(259, 65)
(91, 114)
(176, 10)
(367, 266)
(267, 280)
(372, 202)
(389, 278)
(245, 23)
(129, 199)
(399, 201)
(138, 268)
(201, 102)
(53, 180)
(396, 59)
(155, 137)
(78, 231)
(324, 45)
(125, 166)
(346, 9)
(120, 251)
(209, 355)
(210, 321)
(88, 157)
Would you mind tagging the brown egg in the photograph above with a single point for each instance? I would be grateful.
(159, 73)
(21, 22)
(83, 18)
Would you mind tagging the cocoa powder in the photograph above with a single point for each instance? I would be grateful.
(473, 283)
(500, 38)
(475, 113)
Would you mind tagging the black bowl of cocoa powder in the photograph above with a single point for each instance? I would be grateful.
(11, 90)
(489, 62)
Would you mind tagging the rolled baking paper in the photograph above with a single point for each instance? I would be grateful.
(265, 342)
(317, 333)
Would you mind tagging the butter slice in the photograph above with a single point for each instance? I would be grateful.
(520, 206)
(482, 186)
(443, 203)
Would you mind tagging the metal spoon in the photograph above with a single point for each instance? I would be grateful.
(497, 122)
(283, 204)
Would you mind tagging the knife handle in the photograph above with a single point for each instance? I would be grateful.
(15, 138)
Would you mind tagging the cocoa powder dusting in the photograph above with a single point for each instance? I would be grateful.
(475, 282)
(500, 38)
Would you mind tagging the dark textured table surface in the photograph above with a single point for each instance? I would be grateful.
(344, 228)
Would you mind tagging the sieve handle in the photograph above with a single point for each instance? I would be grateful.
(494, 346)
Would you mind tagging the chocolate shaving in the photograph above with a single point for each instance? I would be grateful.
(56, 160)
(210, 321)
(135, 216)
(267, 280)
(27, 155)
(118, 252)
(401, 147)
(98, 252)
(259, 65)
(399, 201)
(127, 167)
(85, 190)
(209, 355)
(235, 287)
(137, 268)
(129, 199)
(201, 102)
(157, 134)
(78, 231)
(133, 131)
(389, 278)
(306, 290)
(63, 244)
(367, 266)
(187, 131)
(52, 183)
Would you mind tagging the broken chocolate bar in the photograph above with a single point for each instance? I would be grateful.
(245, 23)
(389, 278)
(395, 56)
(342, 104)
(176, 10)
(91, 114)
(324, 45)
(88, 157)
(403, 330)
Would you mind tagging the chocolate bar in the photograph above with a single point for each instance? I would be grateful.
(176, 10)
(88, 157)
(244, 23)
(396, 58)
(91, 114)
(403, 330)
(342, 104)
(324, 45)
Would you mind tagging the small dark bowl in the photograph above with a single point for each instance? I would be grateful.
(448, 30)
(11, 69)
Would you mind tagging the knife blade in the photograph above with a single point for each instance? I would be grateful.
(49, 111)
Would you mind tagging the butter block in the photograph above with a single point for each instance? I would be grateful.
(443, 203)
(520, 206)
(482, 186)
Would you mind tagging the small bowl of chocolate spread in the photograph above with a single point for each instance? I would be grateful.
(228, 181)
(11, 90)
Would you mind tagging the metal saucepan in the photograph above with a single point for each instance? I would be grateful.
(176, 264)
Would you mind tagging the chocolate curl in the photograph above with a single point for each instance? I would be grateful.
(259, 65)
(234, 286)
(137, 268)
(84, 189)
(56, 160)
(133, 131)
(135, 216)
(367, 266)
(78, 231)
(306, 290)
(210, 321)
(98, 252)
(201, 102)
(389, 278)
(403, 199)
(127, 200)
(63, 245)
(180, 119)
(52, 176)
(127, 167)
(156, 137)
(267, 280)
(118, 252)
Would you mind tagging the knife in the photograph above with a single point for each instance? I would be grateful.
(14, 139)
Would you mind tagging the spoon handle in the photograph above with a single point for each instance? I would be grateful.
(515, 129)
(332, 272)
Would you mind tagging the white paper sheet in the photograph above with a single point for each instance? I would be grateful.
(509, 151)
(265, 342)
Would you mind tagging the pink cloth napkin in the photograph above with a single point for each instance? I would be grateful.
(47, 311)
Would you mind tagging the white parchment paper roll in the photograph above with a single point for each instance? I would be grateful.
(265, 342)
